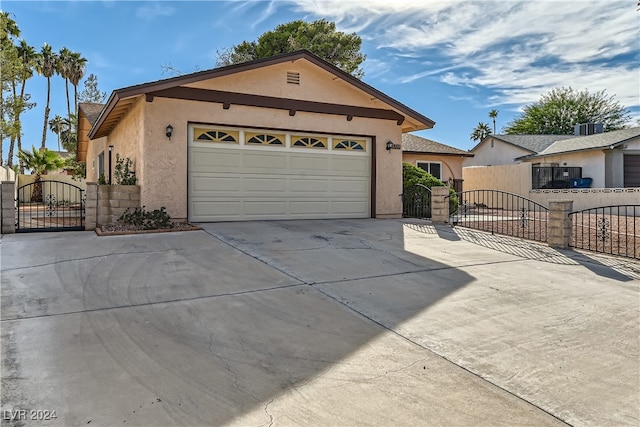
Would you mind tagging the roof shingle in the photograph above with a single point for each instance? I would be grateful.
(533, 143)
(591, 142)
(91, 110)
(417, 144)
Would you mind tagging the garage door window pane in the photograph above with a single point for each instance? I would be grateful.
(203, 135)
(349, 144)
(264, 139)
(309, 142)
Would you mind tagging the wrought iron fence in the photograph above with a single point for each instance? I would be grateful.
(416, 202)
(500, 212)
(49, 206)
(554, 176)
(608, 229)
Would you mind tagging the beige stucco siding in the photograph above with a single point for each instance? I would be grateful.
(125, 139)
(500, 154)
(164, 171)
(451, 165)
(316, 84)
(93, 149)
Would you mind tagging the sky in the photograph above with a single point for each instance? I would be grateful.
(451, 60)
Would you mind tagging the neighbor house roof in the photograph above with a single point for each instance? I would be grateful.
(532, 143)
(417, 144)
(604, 140)
(122, 99)
(91, 110)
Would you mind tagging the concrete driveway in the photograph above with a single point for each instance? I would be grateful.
(347, 322)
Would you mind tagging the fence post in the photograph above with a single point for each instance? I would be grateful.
(8, 214)
(91, 206)
(439, 205)
(559, 224)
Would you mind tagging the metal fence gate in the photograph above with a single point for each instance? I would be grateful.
(500, 212)
(611, 230)
(416, 202)
(49, 206)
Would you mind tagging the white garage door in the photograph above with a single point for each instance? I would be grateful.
(251, 174)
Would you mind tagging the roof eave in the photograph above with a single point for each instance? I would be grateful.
(434, 153)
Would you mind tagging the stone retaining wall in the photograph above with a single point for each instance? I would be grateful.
(113, 201)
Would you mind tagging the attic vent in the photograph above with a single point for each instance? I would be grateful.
(588, 128)
(293, 78)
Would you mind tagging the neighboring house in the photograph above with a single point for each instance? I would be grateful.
(440, 160)
(287, 137)
(610, 159)
(507, 149)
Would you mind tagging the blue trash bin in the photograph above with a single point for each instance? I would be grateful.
(582, 182)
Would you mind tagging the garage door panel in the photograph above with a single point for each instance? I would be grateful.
(215, 183)
(309, 207)
(349, 187)
(212, 209)
(259, 161)
(264, 184)
(203, 160)
(251, 183)
(308, 164)
(348, 207)
(265, 207)
(309, 185)
(351, 166)
(631, 170)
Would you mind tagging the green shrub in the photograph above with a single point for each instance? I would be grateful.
(102, 180)
(147, 220)
(412, 175)
(123, 171)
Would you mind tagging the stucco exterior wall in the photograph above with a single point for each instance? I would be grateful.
(451, 165)
(510, 178)
(94, 148)
(315, 84)
(500, 154)
(164, 171)
(125, 139)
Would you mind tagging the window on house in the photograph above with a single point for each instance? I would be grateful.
(100, 164)
(434, 168)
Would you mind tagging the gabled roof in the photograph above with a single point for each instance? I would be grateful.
(91, 110)
(122, 99)
(416, 144)
(531, 143)
(600, 141)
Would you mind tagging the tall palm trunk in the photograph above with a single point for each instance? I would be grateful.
(66, 83)
(46, 115)
(16, 117)
(36, 194)
(21, 165)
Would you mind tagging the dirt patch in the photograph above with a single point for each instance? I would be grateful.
(124, 229)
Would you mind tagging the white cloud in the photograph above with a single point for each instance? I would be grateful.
(151, 11)
(516, 49)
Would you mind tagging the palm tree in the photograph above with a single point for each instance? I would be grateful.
(46, 66)
(481, 132)
(492, 115)
(77, 67)
(63, 67)
(40, 162)
(28, 56)
(58, 125)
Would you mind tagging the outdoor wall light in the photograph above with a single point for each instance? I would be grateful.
(169, 131)
(389, 146)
